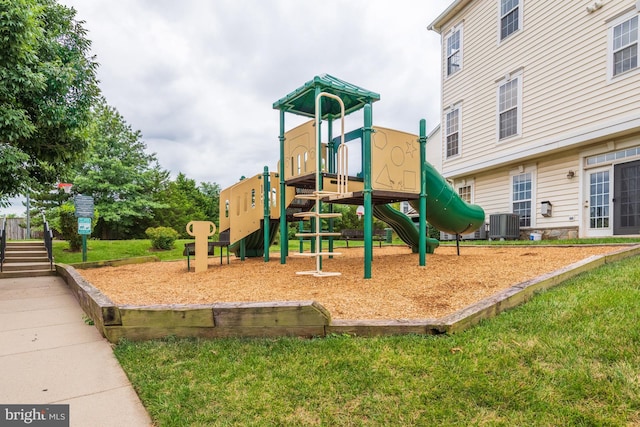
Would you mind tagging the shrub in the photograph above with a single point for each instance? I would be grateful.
(433, 232)
(64, 223)
(162, 237)
(69, 227)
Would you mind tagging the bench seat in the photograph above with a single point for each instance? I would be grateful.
(358, 235)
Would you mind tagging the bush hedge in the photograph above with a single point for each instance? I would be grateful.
(162, 237)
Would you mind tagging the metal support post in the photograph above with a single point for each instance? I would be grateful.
(331, 163)
(84, 248)
(284, 236)
(318, 222)
(422, 245)
(368, 201)
(267, 211)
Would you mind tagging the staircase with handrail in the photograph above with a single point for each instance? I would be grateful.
(26, 258)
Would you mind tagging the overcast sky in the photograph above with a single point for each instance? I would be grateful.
(198, 78)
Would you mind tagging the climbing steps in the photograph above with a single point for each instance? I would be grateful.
(316, 196)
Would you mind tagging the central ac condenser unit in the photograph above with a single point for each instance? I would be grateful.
(504, 226)
(479, 234)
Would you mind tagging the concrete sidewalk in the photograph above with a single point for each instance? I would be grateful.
(48, 355)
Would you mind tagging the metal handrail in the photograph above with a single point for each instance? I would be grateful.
(48, 241)
(318, 194)
(342, 166)
(3, 241)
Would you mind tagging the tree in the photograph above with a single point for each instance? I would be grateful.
(211, 192)
(184, 201)
(119, 174)
(47, 86)
(12, 173)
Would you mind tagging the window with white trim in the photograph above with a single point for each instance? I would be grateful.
(454, 50)
(510, 17)
(614, 155)
(521, 194)
(452, 131)
(509, 107)
(465, 193)
(624, 46)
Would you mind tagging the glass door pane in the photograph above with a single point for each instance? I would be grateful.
(599, 200)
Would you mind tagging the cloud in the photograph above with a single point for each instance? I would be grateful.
(198, 78)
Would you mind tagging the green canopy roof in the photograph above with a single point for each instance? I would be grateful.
(302, 100)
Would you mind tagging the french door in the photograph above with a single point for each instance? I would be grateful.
(598, 221)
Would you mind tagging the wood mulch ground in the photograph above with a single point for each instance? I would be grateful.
(398, 289)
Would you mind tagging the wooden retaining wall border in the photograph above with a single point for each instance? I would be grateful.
(295, 318)
(522, 292)
(370, 328)
(95, 304)
(262, 319)
(259, 319)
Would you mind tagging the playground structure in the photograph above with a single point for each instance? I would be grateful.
(312, 173)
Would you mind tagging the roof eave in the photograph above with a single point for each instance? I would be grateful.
(447, 15)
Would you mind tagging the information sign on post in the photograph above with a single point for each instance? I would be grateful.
(84, 226)
(84, 206)
(84, 212)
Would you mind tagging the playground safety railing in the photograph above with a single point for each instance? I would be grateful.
(48, 241)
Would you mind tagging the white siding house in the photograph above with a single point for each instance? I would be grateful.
(541, 103)
(433, 149)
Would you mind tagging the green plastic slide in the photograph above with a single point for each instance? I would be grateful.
(446, 211)
(404, 227)
(254, 242)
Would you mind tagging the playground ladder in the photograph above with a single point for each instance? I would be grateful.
(318, 194)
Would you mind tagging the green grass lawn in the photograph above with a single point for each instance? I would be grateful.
(100, 250)
(570, 356)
